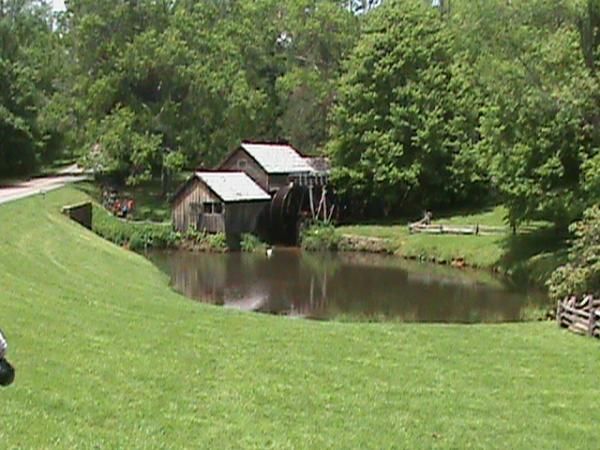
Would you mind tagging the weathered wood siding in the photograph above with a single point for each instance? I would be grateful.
(237, 218)
(242, 217)
(582, 318)
(187, 209)
(241, 160)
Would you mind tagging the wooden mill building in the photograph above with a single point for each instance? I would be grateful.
(226, 202)
(270, 165)
(269, 186)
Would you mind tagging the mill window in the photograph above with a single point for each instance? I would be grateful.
(212, 208)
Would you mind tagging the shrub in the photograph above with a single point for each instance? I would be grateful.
(216, 242)
(581, 275)
(137, 235)
(193, 235)
(320, 236)
(201, 240)
(251, 243)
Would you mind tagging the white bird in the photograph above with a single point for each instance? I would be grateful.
(269, 252)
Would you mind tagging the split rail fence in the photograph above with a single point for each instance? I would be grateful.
(455, 229)
(581, 319)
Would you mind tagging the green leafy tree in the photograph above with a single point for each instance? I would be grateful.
(581, 275)
(405, 123)
(314, 39)
(31, 55)
(539, 124)
(201, 76)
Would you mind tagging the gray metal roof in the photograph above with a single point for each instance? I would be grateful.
(320, 164)
(276, 158)
(233, 186)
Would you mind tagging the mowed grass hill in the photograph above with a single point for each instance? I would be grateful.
(108, 356)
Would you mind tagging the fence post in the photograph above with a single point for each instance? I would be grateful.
(559, 313)
(592, 319)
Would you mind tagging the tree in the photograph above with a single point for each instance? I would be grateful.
(539, 124)
(31, 55)
(315, 37)
(405, 123)
(168, 72)
(581, 275)
(198, 77)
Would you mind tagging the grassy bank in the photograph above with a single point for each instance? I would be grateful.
(109, 357)
(530, 255)
(150, 203)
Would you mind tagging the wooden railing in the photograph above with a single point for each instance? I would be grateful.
(581, 318)
(418, 227)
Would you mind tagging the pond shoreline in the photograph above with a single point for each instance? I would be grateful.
(346, 286)
(364, 244)
(144, 236)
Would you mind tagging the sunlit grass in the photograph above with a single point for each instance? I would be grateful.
(535, 249)
(107, 356)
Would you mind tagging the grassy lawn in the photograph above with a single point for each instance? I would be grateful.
(150, 203)
(532, 253)
(108, 356)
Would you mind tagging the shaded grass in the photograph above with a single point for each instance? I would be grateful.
(108, 356)
(150, 203)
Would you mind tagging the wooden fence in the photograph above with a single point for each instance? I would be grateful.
(455, 229)
(582, 319)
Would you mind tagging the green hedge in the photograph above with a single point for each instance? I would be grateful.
(138, 236)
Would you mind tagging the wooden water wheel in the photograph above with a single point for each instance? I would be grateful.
(285, 213)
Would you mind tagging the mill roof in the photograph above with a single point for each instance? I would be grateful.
(277, 158)
(233, 186)
(319, 164)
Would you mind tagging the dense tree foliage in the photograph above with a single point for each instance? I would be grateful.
(420, 104)
(404, 126)
(163, 84)
(581, 275)
(438, 106)
(539, 126)
(30, 64)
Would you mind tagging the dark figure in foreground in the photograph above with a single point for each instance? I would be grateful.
(7, 372)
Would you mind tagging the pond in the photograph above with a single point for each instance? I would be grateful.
(344, 286)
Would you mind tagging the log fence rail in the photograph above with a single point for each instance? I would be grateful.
(581, 318)
(481, 230)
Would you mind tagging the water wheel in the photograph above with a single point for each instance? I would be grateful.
(285, 213)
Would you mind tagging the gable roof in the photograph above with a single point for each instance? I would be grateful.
(319, 164)
(277, 158)
(233, 186)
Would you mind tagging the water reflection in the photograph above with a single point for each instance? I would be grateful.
(351, 285)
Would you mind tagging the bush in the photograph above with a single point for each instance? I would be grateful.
(581, 275)
(320, 236)
(216, 242)
(251, 243)
(203, 241)
(137, 235)
(193, 235)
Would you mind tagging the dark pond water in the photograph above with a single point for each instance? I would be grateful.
(347, 286)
